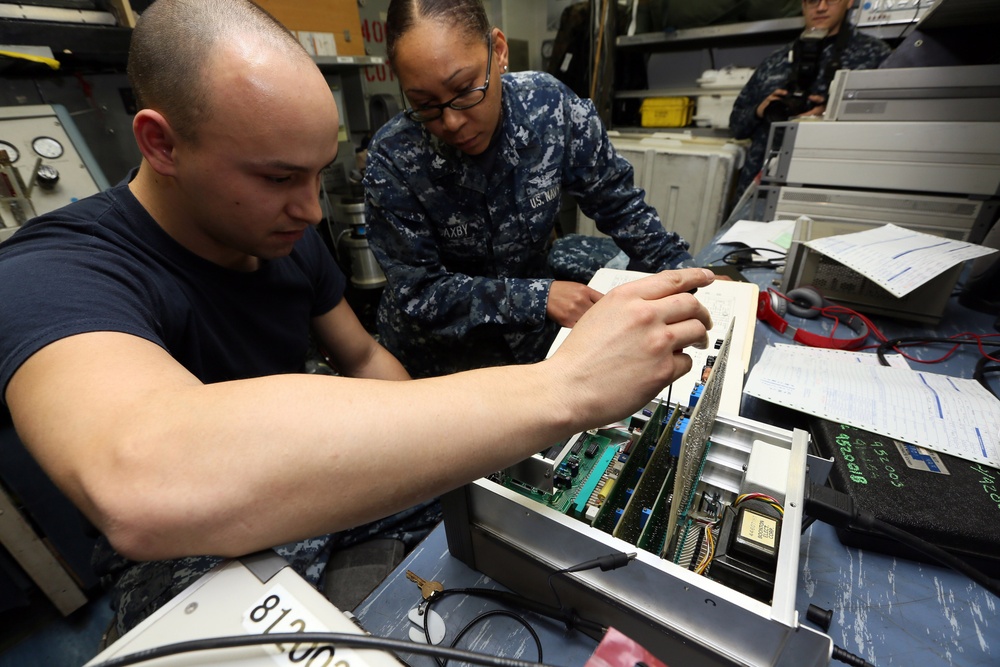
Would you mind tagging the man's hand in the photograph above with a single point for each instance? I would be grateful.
(776, 95)
(630, 345)
(568, 301)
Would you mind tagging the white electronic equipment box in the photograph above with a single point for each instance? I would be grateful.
(256, 595)
(923, 157)
(710, 505)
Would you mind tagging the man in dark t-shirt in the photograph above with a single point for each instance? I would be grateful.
(152, 336)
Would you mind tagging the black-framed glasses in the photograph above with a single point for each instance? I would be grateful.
(461, 102)
(829, 3)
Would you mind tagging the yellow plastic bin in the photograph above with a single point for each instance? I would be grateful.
(666, 111)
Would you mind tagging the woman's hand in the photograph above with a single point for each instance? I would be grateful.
(568, 301)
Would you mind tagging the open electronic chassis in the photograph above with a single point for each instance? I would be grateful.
(711, 505)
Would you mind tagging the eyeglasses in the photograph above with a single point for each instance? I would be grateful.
(462, 101)
(815, 3)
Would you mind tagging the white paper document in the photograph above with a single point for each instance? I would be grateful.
(951, 415)
(822, 355)
(726, 301)
(897, 259)
(776, 235)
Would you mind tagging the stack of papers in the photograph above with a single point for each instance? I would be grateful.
(897, 259)
(950, 415)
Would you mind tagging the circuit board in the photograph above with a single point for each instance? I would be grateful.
(643, 485)
(578, 474)
(694, 448)
(634, 465)
(637, 513)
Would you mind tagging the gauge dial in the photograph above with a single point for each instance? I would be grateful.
(47, 147)
(12, 153)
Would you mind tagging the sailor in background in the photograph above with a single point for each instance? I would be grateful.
(794, 80)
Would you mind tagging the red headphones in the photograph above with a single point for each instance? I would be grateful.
(807, 302)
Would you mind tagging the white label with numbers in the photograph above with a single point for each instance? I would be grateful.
(277, 611)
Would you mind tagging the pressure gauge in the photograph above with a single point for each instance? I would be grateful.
(47, 147)
(12, 153)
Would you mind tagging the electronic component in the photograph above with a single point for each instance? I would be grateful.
(767, 471)
(695, 395)
(631, 472)
(649, 489)
(595, 488)
(629, 497)
(680, 428)
(746, 556)
(694, 444)
(756, 536)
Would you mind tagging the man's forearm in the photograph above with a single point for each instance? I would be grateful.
(166, 466)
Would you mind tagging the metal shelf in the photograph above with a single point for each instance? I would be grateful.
(678, 92)
(108, 45)
(744, 34)
(334, 62)
(70, 42)
(734, 32)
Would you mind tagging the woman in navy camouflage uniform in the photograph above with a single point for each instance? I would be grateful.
(770, 81)
(463, 191)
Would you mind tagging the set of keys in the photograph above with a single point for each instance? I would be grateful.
(430, 590)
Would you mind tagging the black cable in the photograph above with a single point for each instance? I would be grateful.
(497, 612)
(981, 371)
(609, 562)
(742, 258)
(568, 617)
(461, 633)
(343, 640)
(840, 655)
(837, 509)
(918, 341)
(916, 15)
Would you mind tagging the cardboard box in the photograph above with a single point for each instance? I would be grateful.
(314, 21)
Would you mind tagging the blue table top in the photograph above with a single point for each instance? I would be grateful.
(890, 611)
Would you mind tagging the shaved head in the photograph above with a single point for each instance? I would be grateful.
(175, 43)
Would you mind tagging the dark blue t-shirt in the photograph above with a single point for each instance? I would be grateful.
(103, 264)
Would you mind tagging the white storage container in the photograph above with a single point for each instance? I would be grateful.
(721, 87)
(728, 77)
(687, 180)
(713, 110)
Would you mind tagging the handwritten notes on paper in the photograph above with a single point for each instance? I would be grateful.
(899, 260)
(951, 415)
